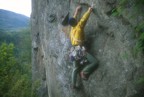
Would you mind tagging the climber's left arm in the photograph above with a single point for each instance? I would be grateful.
(85, 17)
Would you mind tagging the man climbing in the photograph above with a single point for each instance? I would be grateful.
(79, 55)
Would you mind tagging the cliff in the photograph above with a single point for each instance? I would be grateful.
(111, 40)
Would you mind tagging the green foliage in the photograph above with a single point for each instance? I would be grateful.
(15, 64)
(22, 41)
(22, 87)
(36, 85)
(139, 2)
(13, 81)
(137, 5)
(117, 11)
(7, 67)
(140, 34)
(140, 81)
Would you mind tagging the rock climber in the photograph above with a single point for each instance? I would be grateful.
(83, 62)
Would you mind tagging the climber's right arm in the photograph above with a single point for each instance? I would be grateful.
(85, 17)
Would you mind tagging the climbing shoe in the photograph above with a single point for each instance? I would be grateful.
(84, 76)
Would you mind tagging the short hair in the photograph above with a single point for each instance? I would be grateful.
(72, 21)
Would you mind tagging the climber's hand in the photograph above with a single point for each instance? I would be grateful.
(90, 9)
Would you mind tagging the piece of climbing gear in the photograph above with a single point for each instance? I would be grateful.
(78, 53)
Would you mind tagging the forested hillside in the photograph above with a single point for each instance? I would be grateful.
(12, 21)
(21, 39)
(15, 55)
(15, 63)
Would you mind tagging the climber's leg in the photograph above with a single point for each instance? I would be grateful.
(75, 73)
(90, 67)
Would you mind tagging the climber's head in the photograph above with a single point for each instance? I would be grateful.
(72, 22)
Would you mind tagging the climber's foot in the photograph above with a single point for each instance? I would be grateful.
(84, 76)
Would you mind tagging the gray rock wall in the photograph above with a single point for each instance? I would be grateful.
(111, 40)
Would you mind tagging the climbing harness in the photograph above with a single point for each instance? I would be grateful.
(78, 53)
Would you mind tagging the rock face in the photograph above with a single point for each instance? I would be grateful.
(110, 39)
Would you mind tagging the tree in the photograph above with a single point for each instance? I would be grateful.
(7, 67)
(15, 64)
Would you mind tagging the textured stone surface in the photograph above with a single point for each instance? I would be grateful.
(110, 39)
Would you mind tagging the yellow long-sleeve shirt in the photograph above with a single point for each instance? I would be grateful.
(77, 33)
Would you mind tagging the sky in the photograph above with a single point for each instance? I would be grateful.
(18, 6)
